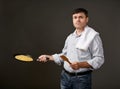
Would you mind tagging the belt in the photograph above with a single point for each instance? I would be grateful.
(78, 73)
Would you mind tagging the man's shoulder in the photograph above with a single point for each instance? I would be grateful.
(70, 35)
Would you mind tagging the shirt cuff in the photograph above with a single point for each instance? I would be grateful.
(93, 64)
(57, 59)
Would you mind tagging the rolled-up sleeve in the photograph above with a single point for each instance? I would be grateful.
(57, 59)
(97, 52)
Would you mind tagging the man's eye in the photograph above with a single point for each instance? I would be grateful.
(81, 17)
(75, 17)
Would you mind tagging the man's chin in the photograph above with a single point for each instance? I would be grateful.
(80, 27)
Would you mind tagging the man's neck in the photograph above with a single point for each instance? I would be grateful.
(79, 31)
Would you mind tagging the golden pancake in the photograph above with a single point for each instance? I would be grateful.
(24, 58)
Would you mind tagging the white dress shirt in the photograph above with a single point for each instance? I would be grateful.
(93, 55)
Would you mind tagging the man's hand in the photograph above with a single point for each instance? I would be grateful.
(77, 65)
(44, 58)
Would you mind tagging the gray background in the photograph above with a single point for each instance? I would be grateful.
(38, 27)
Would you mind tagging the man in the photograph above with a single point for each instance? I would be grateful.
(84, 50)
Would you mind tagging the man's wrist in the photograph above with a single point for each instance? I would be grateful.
(49, 57)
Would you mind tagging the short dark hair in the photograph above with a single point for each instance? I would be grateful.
(79, 10)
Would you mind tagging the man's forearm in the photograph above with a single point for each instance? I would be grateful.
(84, 65)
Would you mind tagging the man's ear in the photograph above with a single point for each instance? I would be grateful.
(87, 19)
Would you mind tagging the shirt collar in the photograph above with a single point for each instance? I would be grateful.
(74, 33)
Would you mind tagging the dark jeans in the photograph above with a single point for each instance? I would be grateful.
(75, 82)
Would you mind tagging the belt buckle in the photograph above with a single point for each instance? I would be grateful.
(76, 74)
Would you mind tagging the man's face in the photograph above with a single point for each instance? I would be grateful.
(79, 20)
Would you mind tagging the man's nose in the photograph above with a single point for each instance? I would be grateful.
(78, 19)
